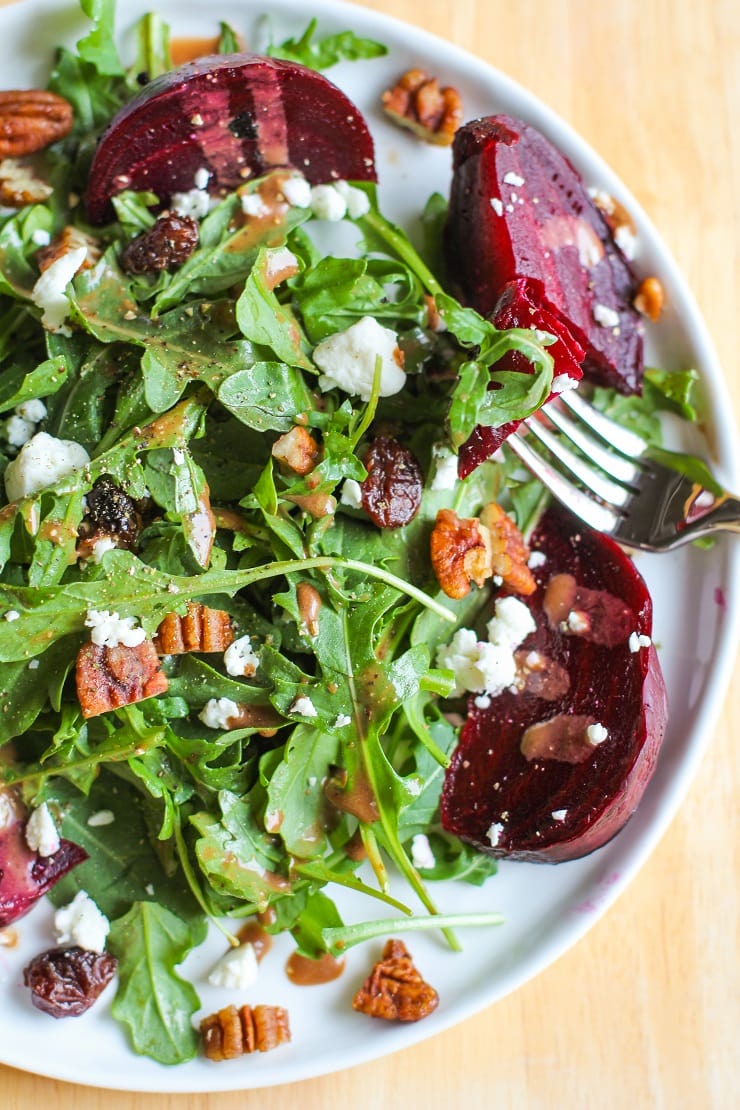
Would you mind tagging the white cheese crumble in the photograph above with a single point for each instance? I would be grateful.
(101, 547)
(512, 622)
(217, 712)
(297, 192)
(351, 494)
(110, 630)
(559, 814)
(240, 659)
(304, 707)
(626, 240)
(237, 970)
(41, 832)
(422, 855)
(445, 473)
(18, 431)
(606, 316)
(482, 701)
(563, 382)
(41, 462)
(636, 641)
(49, 291)
(34, 665)
(202, 177)
(33, 410)
(358, 202)
(343, 720)
(194, 203)
(327, 203)
(41, 237)
(82, 923)
(280, 263)
(11, 615)
(100, 819)
(254, 205)
(512, 178)
(494, 833)
(348, 358)
(576, 622)
(497, 206)
(596, 734)
(536, 559)
(488, 667)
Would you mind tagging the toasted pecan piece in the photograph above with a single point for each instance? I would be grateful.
(233, 1032)
(297, 450)
(418, 103)
(32, 119)
(509, 552)
(201, 630)
(108, 678)
(649, 298)
(69, 239)
(460, 553)
(394, 989)
(20, 184)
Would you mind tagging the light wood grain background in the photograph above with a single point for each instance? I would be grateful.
(645, 1011)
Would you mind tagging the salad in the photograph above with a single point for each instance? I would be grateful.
(231, 661)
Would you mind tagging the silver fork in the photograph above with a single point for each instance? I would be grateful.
(613, 484)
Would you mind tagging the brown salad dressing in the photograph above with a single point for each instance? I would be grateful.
(305, 972)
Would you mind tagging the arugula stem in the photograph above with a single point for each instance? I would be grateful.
(375, 859)
(401, 246)
(353, 883)
(187, 870)
(339, 939)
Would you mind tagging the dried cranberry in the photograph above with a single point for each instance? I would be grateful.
(112, 512)
(165, 245)
(391, 493)
(65, 982)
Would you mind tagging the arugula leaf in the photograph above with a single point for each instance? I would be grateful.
(297, 807)
(323, 53)
(266, 322)
(153, 1001)
(98, 46)
(20, 383)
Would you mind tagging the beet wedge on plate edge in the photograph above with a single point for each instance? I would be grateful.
(519, 211)
(25, 875)
(236, 116)
(553, 771)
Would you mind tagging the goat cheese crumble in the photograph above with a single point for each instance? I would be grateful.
(41, 832)
(110, 630)
(81, 922)
(347, 360)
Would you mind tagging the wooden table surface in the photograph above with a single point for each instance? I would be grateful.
(645, 1011)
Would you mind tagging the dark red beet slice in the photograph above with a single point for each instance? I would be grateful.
(518, 208)
(523, 304)
(236, 115)
(576, 794)
(24, 875)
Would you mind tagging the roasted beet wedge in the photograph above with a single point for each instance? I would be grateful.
(24, 875)
(524, 304)
(235, 115)
(519, 209)
(555, 770)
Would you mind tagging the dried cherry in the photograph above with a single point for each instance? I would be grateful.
(165, 245)
(391, 493)
(65, 982)
(112, 512)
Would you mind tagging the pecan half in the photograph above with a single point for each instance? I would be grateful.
(69, 239)
(418, 103)
(108, 678)
(394, 989)
(233, 1032)
(509, 552)
(201, 630)
(31, 119)
(20, 184)
(460, 553)
(297, 450)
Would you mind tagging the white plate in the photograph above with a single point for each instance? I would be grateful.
(546, 909)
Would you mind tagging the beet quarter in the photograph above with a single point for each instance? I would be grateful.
(555, 770)
(236, 116)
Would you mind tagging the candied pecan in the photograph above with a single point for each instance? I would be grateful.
(391, 493)
(65, 982)
(297, 450)
(164, 246)
(649, 298)
(69, 239)
(202, 629)
(20, 184)
(417, 102)
(460, 553)
(109, 677)
(233, 1032)
(394, 989)
(31, 119)
(509, 552)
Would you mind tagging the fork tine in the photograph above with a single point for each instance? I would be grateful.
(594, 480)
(617, 466)
(627, 442)
(597, 516)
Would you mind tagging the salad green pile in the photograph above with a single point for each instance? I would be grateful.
(177, 385)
